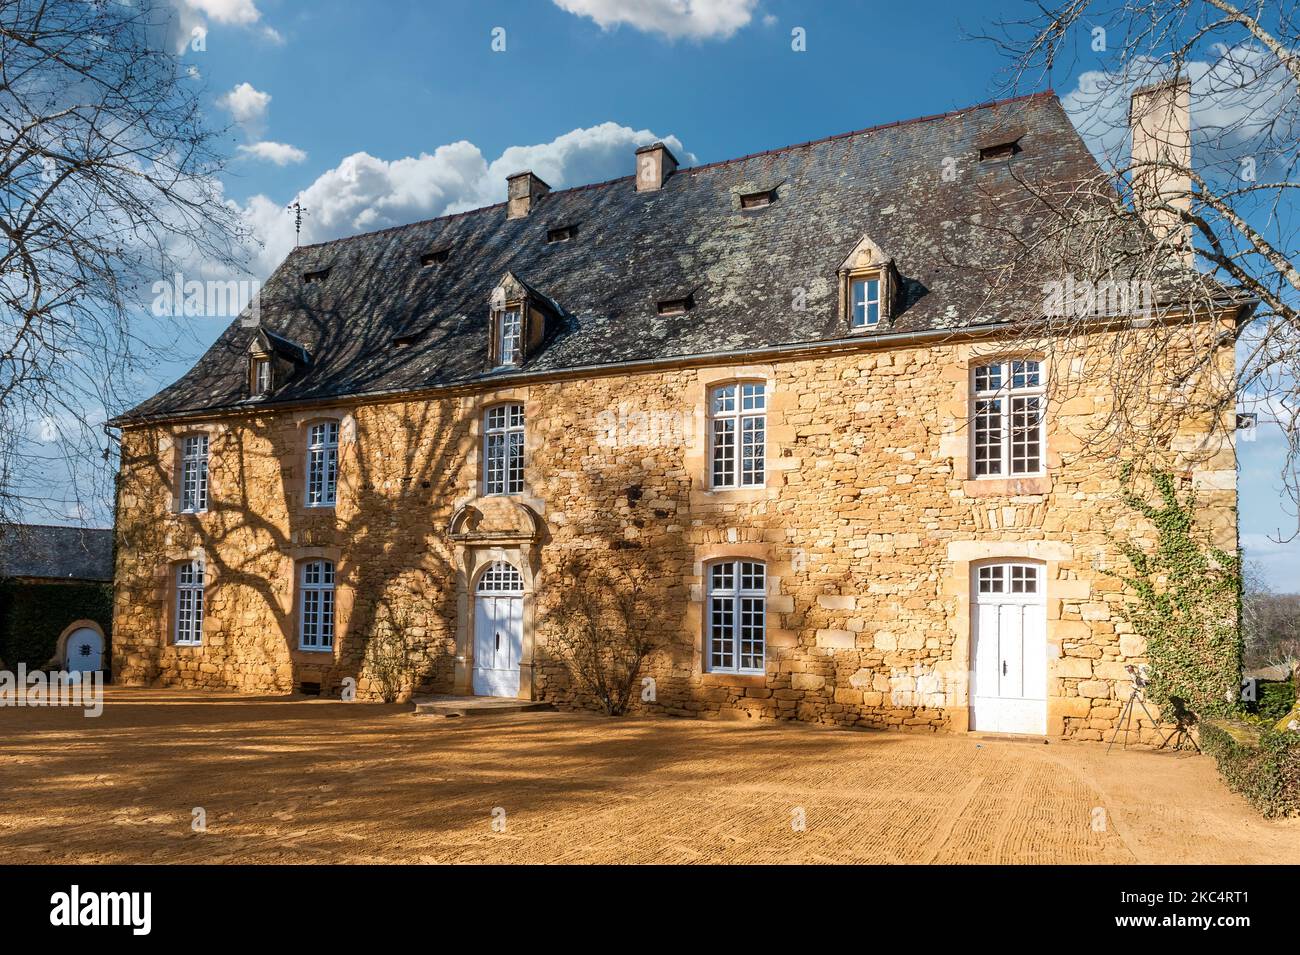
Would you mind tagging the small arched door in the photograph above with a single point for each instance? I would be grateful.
(498, 630)
(84, 651)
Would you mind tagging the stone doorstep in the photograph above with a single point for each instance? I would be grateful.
(1011, 738)
(449, 706)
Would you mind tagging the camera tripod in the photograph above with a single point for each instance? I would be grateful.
(1125, 721)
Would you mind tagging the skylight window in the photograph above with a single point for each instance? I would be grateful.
(995, 151)
(561, 234)
(757, 200)
(677, 306)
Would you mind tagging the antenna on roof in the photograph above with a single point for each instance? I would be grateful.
(298, 212)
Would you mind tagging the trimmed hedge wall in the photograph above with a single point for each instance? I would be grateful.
(1261, 763)
(33, 615)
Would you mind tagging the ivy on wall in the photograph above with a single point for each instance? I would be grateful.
(33, 615)
(1187, 602)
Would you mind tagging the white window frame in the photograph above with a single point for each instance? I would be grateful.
(503, 429)
(738, 435)
(510, 336)
(1012, 581)
(736, 597)
(322, 464)
(869, 283)
(194, 473)
(1000, 423)
(187, 629)
(316, 605)
(261, 376)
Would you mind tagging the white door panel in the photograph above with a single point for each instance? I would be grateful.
(498, 645)
(1009, 691)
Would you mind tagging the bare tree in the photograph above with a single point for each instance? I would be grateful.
(106, 186)
(1193, 221)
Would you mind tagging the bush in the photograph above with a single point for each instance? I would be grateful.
(1261, 763)
(599, 631)
(1273, 700)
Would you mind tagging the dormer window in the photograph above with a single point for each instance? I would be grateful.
(436, 257)
(510, 334)
(864, 297)
(758, 200)
(561, 234)
(312, 278)
(261, 375)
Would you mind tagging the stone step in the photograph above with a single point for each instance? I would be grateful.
(456, 706)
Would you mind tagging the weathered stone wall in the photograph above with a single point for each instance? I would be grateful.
(868, 524)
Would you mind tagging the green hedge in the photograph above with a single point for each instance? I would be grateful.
(1261, 763)
(33, 615)
(1273, 700)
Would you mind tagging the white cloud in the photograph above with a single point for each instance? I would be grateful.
(241, 12)
(282, 154)
(1243, 94)
(364, 192)
(675, 19)
(193, 16)
(246, 105)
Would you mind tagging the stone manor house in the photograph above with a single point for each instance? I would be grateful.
(766, 385)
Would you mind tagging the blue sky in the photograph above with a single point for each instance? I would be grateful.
(381, 113)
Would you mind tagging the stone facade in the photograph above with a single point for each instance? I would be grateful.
(869, 524)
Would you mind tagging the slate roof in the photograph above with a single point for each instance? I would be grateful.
(64, 553)
(632, 250)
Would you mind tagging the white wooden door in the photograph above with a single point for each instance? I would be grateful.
(1009, 691)
(498, 631)
(84, 651)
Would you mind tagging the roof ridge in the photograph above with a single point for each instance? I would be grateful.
(988, 104)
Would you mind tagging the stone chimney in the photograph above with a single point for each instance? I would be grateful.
(523, 189)
(1160, 122)
(654, 164)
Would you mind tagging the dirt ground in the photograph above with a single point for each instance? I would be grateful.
(293, 780)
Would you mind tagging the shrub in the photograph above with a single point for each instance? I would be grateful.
(388, 654)
(600, 631)
(1261, 763)
(1273, 700)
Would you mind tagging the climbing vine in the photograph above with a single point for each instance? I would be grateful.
(1186, 601)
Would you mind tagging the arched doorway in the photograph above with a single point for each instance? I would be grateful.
(81, 648)
(498, 630)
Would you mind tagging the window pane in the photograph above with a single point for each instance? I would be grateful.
(1025, 435)
(1024, 374)
(737, 618)
(988, 437)
(724, 452)
(752, 450)
(724, 399)
(988, 378)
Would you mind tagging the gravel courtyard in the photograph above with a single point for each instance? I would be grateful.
(294, 780)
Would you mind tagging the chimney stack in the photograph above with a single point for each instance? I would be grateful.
(523, 189)
(654, 164)
(1160, 123)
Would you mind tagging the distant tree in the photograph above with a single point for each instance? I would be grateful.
(106, 183)
(1270, 622)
